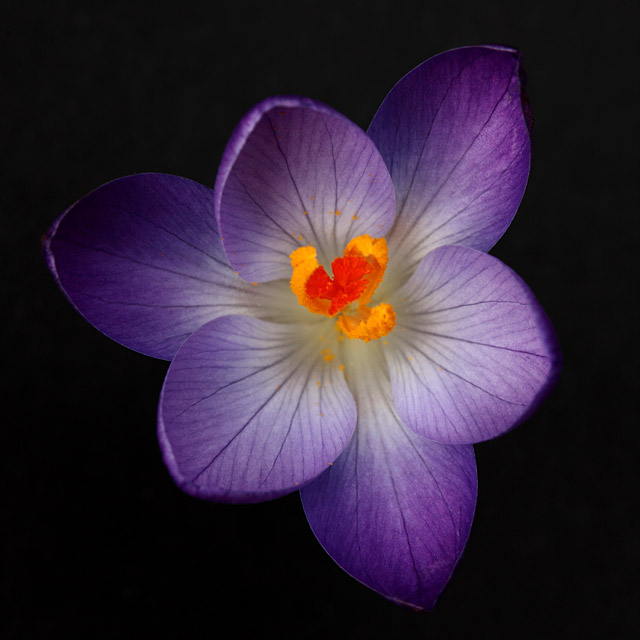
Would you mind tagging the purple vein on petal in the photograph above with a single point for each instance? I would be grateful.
(482, 347)
(455, 139)
(239, 422)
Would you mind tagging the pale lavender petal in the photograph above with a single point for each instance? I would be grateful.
(455, 136)
(395, 510)
(296, 173)
(141, 260)
(473, 353)
(251, 410)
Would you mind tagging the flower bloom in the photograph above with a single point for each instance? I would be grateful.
(333, 320)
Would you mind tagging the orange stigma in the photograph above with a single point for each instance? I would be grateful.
(355, 278)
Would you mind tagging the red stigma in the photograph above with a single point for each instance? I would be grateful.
(348, 282)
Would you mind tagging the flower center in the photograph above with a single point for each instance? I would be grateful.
(355, 278)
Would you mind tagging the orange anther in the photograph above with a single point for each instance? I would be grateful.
(356, 276)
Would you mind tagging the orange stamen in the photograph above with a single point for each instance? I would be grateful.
(356, 276)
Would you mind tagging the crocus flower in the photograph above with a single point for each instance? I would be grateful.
(333, 320)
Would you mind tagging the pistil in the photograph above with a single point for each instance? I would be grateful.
(356, 275)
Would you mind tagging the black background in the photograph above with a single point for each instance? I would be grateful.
(97, 541)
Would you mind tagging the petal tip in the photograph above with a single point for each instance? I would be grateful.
(520, 79)
(196, 490)
(554, 355)
(45, 246)
(136, 257)
(243, 130)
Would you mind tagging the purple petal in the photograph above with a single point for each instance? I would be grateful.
(251, 410)
(141, 260)
(295, 173)
(395, 510)
(456, 141)
(473, 353)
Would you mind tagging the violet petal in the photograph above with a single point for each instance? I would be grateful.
(473, 353)
(395, 510)
(251, 410)
(296, 173)
(455, 138)
(141, 260)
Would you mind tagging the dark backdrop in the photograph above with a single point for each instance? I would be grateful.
(97, 541)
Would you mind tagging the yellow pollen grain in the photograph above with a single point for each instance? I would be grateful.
(255, 284)
(331, 464)
(319, 383)
(321, 414)
(328, 356)
(355, 217)
(300, 238)
(338, 212)
(304, 213)
(341, 367)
